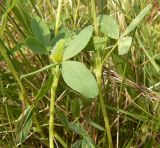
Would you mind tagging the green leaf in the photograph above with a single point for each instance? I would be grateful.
(75, 107)
(62, 117)
(96, 125)
(44, 89)
(36, 46)
(99, 42)
(78, 43)
(78, 128)
(109, 26)
(41, 30)
(86, 143)
(79, 78)
(24, 124)
(151, 59)
(124, 45)
(77, 144)
(56, 39)
(137, 20)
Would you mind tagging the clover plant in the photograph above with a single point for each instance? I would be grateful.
(76, 75)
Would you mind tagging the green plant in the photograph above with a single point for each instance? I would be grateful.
(90, 74)
(75, 74)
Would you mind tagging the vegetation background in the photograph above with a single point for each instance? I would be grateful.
(129, 82)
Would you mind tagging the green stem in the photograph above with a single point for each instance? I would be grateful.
(56, 73)
(94, 16)
(109, 53)
(58, 16)
(38, 71)
(102, 104)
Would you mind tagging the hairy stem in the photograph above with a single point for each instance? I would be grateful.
(94, 16)
(58, 16)
(102, 104)
(56, 74)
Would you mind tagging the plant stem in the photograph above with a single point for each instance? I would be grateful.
(58, 16)
(94, 16)
(38, 71)
(56, 73)
(102, 104)
(107, 56)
